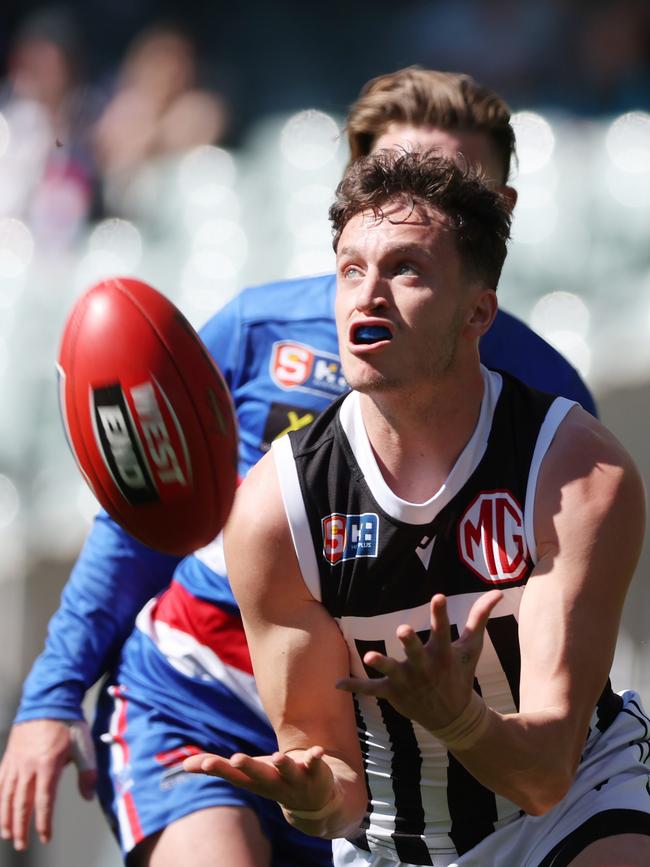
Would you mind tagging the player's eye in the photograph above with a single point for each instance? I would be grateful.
(406, 268)
(351, 272)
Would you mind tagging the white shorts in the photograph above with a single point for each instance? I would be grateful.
(610, 795)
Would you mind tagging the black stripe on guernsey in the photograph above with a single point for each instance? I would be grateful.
(472, 807)
(360, 839)
(504, 635)
(405, 772)
(606, 824)
(608, 708)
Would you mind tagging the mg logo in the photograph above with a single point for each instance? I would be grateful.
(491, 538)
(346, 537)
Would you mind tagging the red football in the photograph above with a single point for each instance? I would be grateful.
(148, 416)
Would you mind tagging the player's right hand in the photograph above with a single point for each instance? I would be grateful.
(301, 780)
(36, 753)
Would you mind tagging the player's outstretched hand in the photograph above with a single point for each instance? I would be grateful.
(300, 780)
(36, 753)
(433, 684)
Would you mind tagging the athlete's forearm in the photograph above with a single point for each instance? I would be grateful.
(528, 758)
(112, 579)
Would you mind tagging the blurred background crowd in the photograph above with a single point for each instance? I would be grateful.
(197, 146)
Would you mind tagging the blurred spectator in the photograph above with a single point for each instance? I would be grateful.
(46, 170)
(614, 55)
(509, 44)
(158, 109)
(589, 56)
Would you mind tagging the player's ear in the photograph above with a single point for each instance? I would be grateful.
(481, 313)
(510, 195)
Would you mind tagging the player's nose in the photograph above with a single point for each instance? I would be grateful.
(372, 293)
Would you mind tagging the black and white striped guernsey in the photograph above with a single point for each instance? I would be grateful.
(375, 561)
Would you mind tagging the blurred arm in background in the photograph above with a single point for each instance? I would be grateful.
(158, 109)
(112, 579)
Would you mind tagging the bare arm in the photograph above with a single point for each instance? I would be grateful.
(590, 518)
(111, 580)
(589, 528)
(298, 655)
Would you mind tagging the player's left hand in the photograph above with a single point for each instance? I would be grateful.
(300, 781)
(37, 751)
(433, 684)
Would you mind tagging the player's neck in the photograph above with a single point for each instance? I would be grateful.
(417, 438)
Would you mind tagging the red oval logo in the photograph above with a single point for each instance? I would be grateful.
(491, 538)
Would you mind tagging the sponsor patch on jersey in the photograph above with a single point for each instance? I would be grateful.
(298, 366)
(491, 538)
(283, 418)
(346, 537)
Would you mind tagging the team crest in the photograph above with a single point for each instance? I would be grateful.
(297, 366)
(346, 537)
(491, 538)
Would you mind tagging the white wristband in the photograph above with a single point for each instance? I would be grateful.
(467, 728)
(82, 748)
(314, 815)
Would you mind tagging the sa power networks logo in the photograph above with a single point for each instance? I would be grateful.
(295, 365)
(491, 538)
(346, 537)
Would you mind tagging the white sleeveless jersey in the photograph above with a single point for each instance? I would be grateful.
(375, 560)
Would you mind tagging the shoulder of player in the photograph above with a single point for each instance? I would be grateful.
(508, 327)
(300, 298)
(258, 512)
(512, 345)
(588, 471)
(260, 557)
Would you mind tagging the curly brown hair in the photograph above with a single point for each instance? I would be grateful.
(479, 216)
(427, 97)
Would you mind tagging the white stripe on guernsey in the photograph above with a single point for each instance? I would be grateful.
(193, 659)
(345, 853)
(496, 691)
(382, 627)
(554, 418)
(294, 507)
(212, 555)
(118, 762)
(421, 513)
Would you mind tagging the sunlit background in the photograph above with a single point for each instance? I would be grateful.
(206, 165)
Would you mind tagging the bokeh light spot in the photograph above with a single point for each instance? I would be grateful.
(535, 141)
(310, 139)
